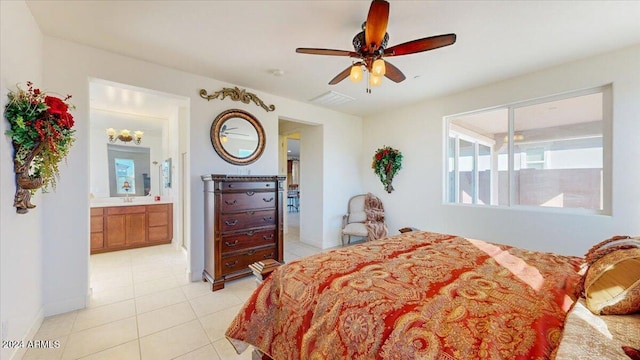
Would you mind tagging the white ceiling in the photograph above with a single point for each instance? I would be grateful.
(242, 42)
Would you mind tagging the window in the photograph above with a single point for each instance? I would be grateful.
(542, 153)
(125, 176)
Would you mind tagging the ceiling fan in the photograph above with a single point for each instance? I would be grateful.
(225, 131)
(370, 47)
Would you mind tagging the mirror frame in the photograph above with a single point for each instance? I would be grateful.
(218, 146)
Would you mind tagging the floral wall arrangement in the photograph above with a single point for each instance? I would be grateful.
(387, 161)
(41, 133)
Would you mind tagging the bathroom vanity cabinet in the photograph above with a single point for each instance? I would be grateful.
(130, 226)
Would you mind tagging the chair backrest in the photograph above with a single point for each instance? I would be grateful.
(356, 209)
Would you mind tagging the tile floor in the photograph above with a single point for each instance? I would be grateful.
(143, 307)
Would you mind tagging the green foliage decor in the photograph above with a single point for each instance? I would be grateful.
(42, 134)
(387, 161)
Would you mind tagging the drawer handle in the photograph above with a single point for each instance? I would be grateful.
(250, 232)
(230, 202)
(267, 218)
(250, 193)
(267, 200)
(251, 252)
(230, 185)
(270, 256)
(231, 244)
(231, 223)
(250, 212)
(230, 265)
(267, 237)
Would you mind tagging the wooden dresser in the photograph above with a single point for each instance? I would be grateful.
(126, 227)
(243, 224)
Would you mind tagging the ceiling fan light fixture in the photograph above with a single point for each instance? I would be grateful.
(375, 80)
(356, 73)
(378, 68)
(370, 46)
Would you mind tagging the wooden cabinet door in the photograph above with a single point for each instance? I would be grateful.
(116, 230)
(136, 229)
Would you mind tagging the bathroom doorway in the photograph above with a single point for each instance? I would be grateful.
(136, 118)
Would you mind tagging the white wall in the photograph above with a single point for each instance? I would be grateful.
(418, 131)
(69, 66)
(21, 236)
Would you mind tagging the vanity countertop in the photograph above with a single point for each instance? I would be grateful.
(120, 202)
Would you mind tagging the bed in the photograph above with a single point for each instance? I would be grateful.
(417, 295)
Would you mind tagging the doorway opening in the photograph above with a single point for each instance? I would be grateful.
(130, 232)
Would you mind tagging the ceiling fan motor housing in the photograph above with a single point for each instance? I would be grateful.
(359, 44)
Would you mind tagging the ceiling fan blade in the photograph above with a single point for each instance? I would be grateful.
(343, 75)
(393, 73)
(376, 25)
(420, 45)
(315, 51)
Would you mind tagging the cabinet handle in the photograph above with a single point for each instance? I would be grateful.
(267, 218)
(267, 200)
(230, 265)
(230, 202)
(251, 252)
(250, 212)
(230, 185)
(270, 256)
(267, 237)
(231, 223)
(231, 244)
(250, 232)
(250, 193)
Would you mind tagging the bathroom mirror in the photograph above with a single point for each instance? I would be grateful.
(166, 173)
(129, 170)
(238, 137)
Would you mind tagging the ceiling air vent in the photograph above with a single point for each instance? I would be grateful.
(331, 98)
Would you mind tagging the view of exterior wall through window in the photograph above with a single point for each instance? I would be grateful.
(540, 153)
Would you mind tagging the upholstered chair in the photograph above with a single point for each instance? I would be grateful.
(353, 221)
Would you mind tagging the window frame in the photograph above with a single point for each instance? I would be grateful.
(607, 142)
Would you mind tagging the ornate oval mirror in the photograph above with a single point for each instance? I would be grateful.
(237, 137)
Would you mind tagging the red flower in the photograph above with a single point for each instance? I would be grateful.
(379, 156)
(56, 106)
(65, 121)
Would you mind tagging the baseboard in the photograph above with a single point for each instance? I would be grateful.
(30, 335)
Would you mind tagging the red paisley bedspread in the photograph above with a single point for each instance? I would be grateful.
(417, 295)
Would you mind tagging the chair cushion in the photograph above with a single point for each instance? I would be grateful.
(355, 229)
(357, 217)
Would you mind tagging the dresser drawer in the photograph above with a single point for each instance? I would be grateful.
(123, 210)
(248, 185)
(241, 261)
(248, 200)
(247, 219)
(248, 239)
